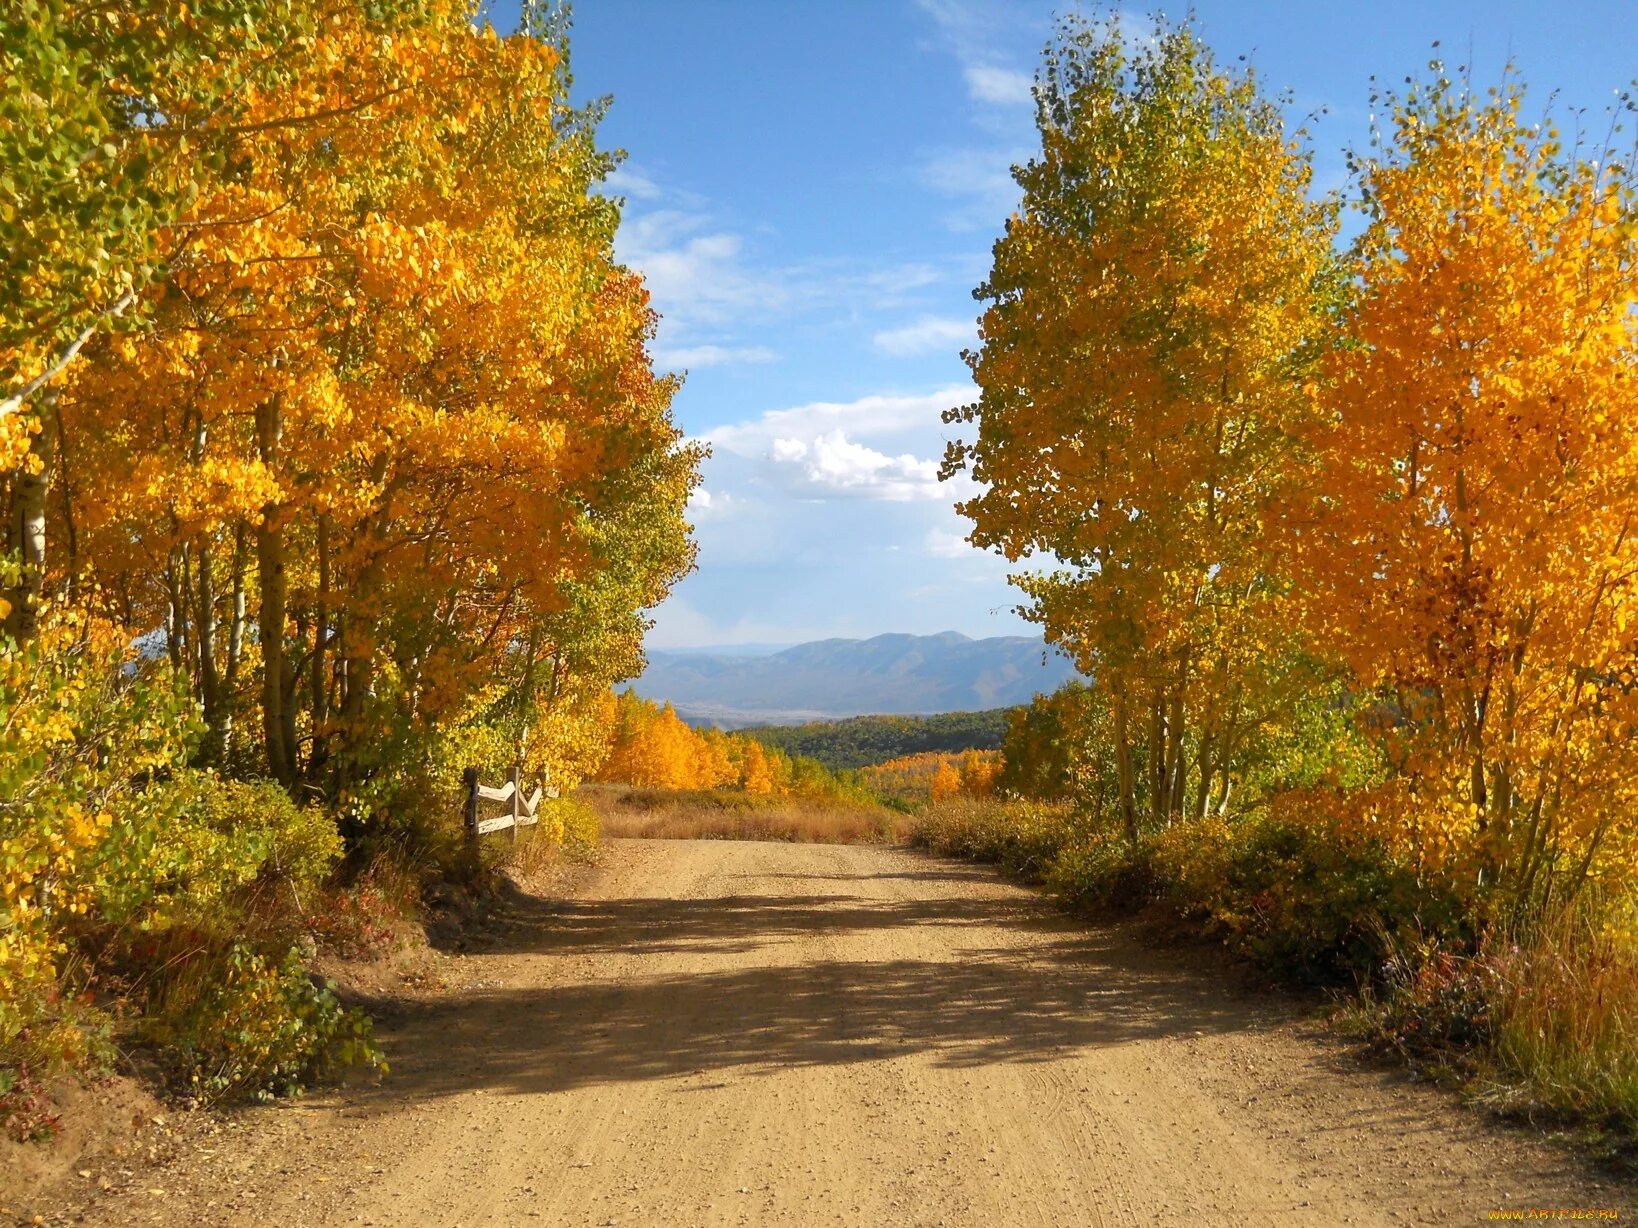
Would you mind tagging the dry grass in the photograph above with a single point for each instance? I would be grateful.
(1566, 1014)
(720, 814)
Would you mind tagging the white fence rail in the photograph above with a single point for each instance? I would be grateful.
(520, 811)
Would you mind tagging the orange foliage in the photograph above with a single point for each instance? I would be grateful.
(392, 407)
(652, 747)
(936, 775)
(1471, 552)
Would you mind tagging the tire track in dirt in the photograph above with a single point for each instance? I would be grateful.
(741, 1033)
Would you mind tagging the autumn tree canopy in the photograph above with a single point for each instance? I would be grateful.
(1470, 547)
(1153, 311)
(1354, 531)
(379, 439)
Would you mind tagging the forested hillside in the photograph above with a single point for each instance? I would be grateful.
(864, 740)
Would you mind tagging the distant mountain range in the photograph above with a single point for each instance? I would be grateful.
(890, 674)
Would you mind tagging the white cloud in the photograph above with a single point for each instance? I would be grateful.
(980, 180)
(632, 183)
(834, 464)
(865, 418)
(708, 284)
(696, 274)
(972, 31)
(695, 356)
(942, 545)
(926, 335)
(1000, 86)
(706, 504)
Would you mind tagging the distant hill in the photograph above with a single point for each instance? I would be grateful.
(887, 674)
(861, 741)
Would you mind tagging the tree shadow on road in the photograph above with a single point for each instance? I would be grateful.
(728, 924)
(999, 979)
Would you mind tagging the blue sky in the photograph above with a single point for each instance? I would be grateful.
(812, 191)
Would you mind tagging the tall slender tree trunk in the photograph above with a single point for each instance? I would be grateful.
(1159, 778)
(204, 621)
(274, 586)
(27, 530)
(236, 645)
(1207, 769)
(65, 468)
(318, 672)
(359, 666)
(356, 649)
(175, 601)
(1123, 765)
(211, 696)
(1174, 754)
(271, 580)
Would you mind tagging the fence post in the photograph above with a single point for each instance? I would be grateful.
(469, 778)
(516, 777)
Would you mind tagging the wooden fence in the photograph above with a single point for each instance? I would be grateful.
(520, 811)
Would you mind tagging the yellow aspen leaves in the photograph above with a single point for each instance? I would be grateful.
(1469, 550)
(1276, 487)
(1153, 315)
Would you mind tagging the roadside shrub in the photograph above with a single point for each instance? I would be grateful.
(1543, 1021)
(567, 831)
(1307, 899)
(410, 808)
(85, 808)
(1103, 873)
(1310, 900)
(1432, 1006)
(244, 1025)
(126, 874)
(1024, 838)
(571, 823)
(231, 833)
(357, 922)
(410, 811)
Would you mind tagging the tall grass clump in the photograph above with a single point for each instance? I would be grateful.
(1566, 1014)
(1542, 1020)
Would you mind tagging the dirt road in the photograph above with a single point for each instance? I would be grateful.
(737, 1033)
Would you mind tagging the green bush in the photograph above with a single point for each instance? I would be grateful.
(230, 833)
(1309, 900)
(1104, 873)
(1320, 904)
(244, 1025)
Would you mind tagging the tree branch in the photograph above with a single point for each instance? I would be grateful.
(13, 404)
